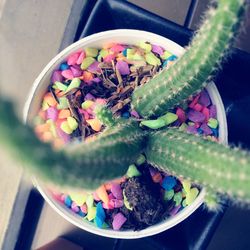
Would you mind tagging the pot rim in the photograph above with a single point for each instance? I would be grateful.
(63, 210)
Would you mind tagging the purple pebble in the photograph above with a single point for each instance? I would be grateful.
(56, 76)
(94, 67)
(206, 130)
(152, 171)
(64, 136)
(89, 97)
(96, 80)
(192, 129)
(123, 67)
(196, 116)
(213, 112)
(76, 71)
(204, 99)
(175, 210)
(157, 49)
(135, 114)
(116, 191)
(52, 113)
(119, 220)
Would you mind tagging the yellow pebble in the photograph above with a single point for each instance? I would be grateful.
(91, 213)
(79, 198)
(72, 123)
(87, 104)
(66, 128)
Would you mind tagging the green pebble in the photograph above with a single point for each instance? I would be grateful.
(65, 128)
(91, 52)
(152, 59)
(38, 120)
(125, 200)
(133, 171)
(52, 127)
(90, 201)
(75, 83)
(87, 62)
(146, 46)
(191, 123)
(140, 160)
(138, 57)
(178, 198)
(87, 104)
(63, 103)
(130, 54)
(154, 124)
(45, 105)
(72, 123)
(166, 55)
(183, 127)
(169, 118)
(60, 86)
(168, 195)
(103, 52)
(184, 203)
(212, 123)
(91, 213)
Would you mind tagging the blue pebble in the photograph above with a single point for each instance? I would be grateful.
(168, 183)
(165, 63)
(199, 130)
(68, 201)
(81, 213)
(124, 52)
(126, 115)
(64, 66)
(215, 131)
(172, 58)
(100, 211)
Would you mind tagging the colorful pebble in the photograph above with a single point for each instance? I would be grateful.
(118, 221)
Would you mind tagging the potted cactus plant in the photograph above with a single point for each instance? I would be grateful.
(218, 168)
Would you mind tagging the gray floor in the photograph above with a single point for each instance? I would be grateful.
(30, 35)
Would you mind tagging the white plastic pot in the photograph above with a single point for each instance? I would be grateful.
(40, 87)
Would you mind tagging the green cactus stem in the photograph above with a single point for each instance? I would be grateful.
(84, 165)
(105, 116)
(204, 162)
(189, 74)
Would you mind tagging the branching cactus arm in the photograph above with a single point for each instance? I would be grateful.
(85, 165)
(204, 162)
(188, 75)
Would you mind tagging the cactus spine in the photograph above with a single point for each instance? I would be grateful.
(208, 163)
(188, 75)
(85, 165)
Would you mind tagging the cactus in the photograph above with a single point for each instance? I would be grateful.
(87, 165)
(208, 163)
(84, 165)
(190, 73)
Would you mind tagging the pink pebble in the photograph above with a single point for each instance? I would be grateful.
(135, 114)
(74, 207)
(67, 74)
(52, 113)
(56, 76)
(181, 115)
(205, 111)
(101, 101)
(175, 210)
(94, 67)
(123, 67)
(85, 113)
(111, 196)
(90, 111)
(84, 208)
(213, 112)
(196, 116)
(80, 58)
(117, 48)
(109, 58)
(157, 49)
(116, 203)
(194, 101)
(76, 71)
(198, 107)
(118, 221)
(96, 197)
(72, 59)
(197, 124)
(116, 191)
(107, 206)
(63, 197)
